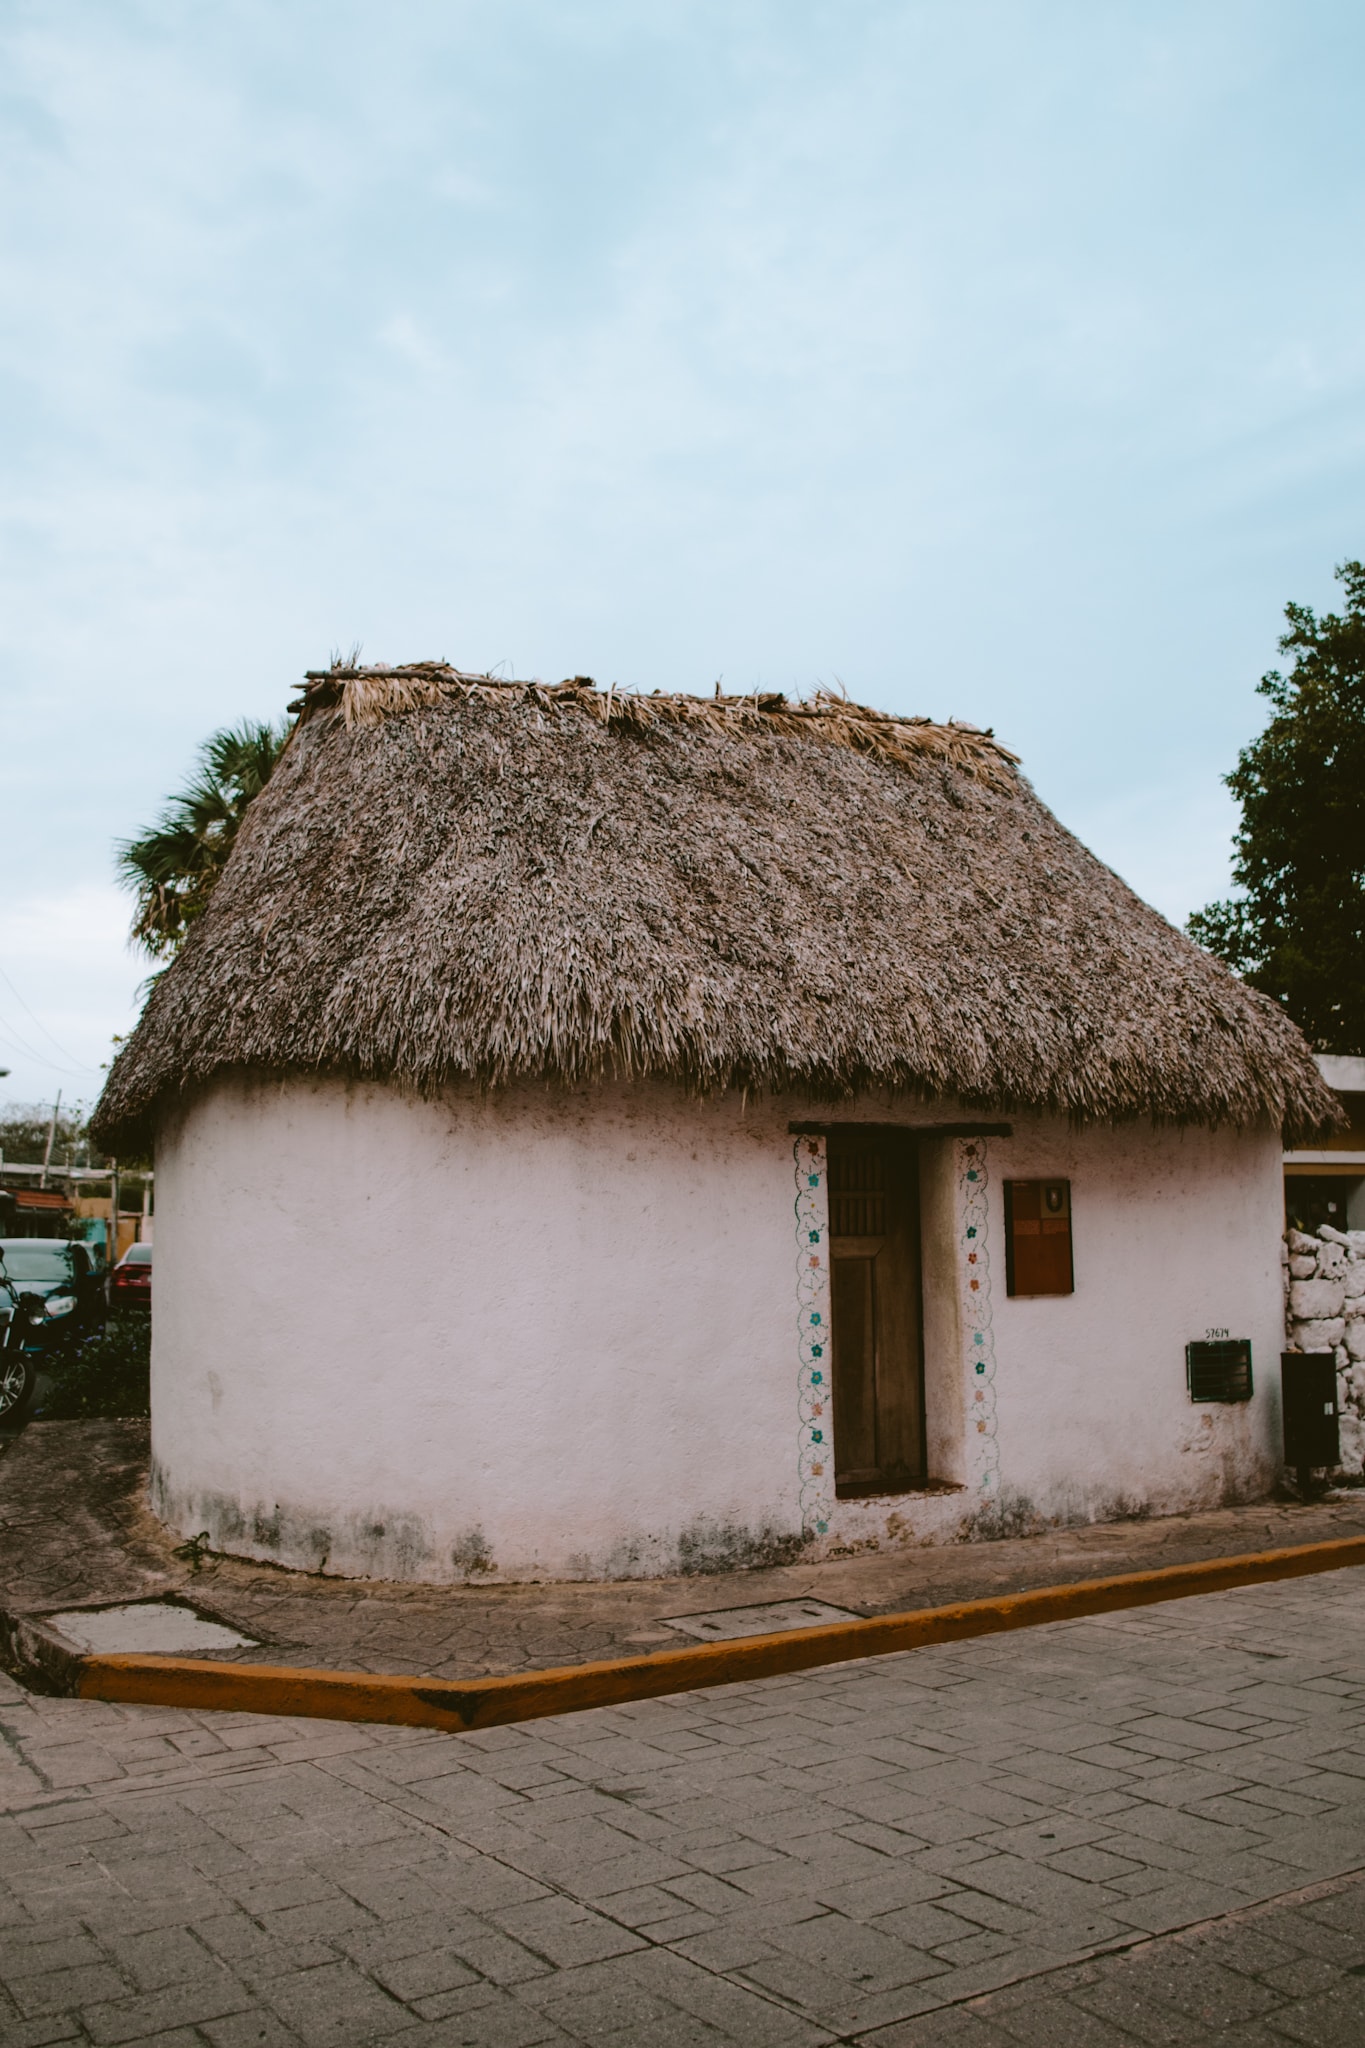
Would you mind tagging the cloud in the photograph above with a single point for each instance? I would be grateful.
(1003, 362)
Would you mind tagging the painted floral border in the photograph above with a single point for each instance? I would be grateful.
(815, 1450)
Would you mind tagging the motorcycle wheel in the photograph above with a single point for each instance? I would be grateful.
(18, 1384)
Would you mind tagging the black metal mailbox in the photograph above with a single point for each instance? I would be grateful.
(1309, 1383)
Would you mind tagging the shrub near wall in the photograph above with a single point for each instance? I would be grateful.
(1325, 1311)
(108, 1377)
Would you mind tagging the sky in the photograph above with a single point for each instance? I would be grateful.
(998, 359)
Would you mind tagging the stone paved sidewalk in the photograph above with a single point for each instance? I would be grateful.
(74, 1528)
(967, 1844)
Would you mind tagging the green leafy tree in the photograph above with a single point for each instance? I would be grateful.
(1297, 929)
(172, 868)
(23, 1135)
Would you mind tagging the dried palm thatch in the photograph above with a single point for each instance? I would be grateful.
(368, 695)
(449, 876)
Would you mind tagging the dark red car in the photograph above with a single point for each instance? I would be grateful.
(130, 1283)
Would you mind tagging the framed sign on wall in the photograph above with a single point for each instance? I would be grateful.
(1038, 1237)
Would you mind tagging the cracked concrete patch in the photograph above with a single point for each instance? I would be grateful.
(146, 1627)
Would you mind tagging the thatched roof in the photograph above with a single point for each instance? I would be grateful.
(453, 877)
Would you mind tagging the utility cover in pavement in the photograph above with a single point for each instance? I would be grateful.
(726, 1623)
(152, 1626)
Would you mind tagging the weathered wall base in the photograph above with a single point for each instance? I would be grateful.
(389, 1543)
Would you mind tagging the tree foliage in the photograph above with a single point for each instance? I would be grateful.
(172, 868)
(23, 1135)
(109, 1376)
(1297, 929)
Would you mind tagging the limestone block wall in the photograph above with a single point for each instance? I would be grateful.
(1325, 1311)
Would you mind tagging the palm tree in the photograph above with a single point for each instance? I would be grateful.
(172, 868)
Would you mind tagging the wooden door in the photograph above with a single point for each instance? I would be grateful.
(876, 1314)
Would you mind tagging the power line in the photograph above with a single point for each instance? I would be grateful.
(38, 1020)
(19, 1048)
(20, 1045)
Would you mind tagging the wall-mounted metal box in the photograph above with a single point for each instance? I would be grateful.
(1309, 1383)
(1219, 1369)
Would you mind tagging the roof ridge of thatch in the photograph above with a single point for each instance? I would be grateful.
(368, 694)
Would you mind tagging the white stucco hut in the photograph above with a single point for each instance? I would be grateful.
(600, 1134)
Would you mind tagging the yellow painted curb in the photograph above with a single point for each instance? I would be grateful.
(524, 1696)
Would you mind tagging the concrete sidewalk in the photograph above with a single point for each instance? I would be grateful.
(1147, 1828)
(74, 1529)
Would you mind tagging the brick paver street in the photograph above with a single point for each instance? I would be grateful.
(972, 1844)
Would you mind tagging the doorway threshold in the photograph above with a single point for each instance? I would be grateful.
(926, 1489)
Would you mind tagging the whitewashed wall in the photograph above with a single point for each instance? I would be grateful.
(568, 1335)
(1176, 1233)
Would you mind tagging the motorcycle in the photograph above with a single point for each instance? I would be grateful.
(22, 1348)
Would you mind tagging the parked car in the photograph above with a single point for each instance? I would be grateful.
(65, 1279)
(131, 1279)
